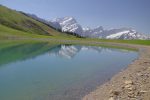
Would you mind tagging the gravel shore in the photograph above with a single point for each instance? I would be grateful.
(132, 83)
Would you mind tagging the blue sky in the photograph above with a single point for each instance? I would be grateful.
(92, 13)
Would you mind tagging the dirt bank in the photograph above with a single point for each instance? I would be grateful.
(132, 83)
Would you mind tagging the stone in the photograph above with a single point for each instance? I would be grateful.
(115, 93)
(130, 89)
(130, 92)
(142, 91)
(139, 74)
(128, 86)
(111, 98)
(128, 82)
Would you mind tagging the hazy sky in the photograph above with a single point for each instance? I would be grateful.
(92, 13)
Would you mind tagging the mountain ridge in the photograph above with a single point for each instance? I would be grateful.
(71, 25)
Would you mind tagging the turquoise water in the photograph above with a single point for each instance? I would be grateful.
(61, 72)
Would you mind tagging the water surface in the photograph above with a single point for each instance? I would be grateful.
(57, 72)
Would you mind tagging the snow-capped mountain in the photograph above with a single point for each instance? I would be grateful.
(126, 34)
(69, 24)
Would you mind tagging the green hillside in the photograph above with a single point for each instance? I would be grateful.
(16, 20)
(10, 33)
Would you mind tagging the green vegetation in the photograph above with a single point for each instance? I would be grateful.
(6, 32)
(141, 42)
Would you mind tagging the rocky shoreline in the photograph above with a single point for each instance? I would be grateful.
(132, 83)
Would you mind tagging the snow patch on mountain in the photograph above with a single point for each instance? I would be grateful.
(67, 24)
(117, 35)
(94, 33)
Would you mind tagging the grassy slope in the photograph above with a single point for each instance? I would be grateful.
(10, 33)
(19, 21)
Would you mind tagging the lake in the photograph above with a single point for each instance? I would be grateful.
(57, 72)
